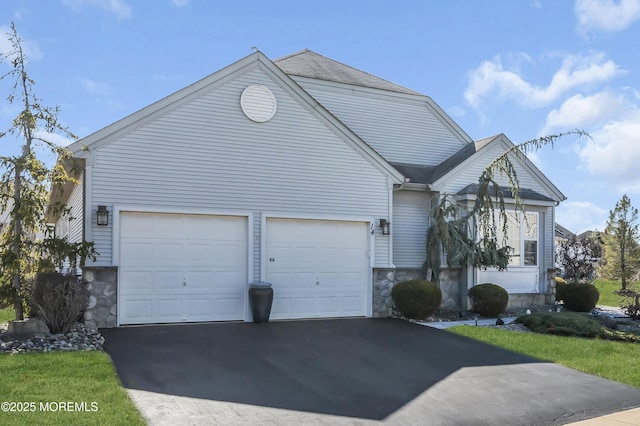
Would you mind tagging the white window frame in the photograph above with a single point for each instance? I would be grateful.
(523, 238)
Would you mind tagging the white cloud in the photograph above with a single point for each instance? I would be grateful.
(30, 49)
(54, 138)
(580, 216)
(95, 88)
(118, 7)
(492, 80)
(606, 15)
(614, 154)
(180, 3)
(456, 111)
(583, 112)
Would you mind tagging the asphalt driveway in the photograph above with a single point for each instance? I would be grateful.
(353, 371)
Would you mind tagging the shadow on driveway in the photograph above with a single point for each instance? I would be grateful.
(361, 368)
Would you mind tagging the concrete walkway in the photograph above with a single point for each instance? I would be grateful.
(352, 372)
(446, 324)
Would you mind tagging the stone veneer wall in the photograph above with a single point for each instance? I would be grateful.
(385, 278)
(103, 297)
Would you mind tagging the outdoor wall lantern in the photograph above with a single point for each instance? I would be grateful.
(384, 224)
(102, 216)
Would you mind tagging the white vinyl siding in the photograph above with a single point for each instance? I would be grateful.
(471, 172)
(410, 224)
(207, 155)
(70, 224)
(402, 129)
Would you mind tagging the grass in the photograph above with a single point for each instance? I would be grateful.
(6, 315)
(607, 289)
(612, 360)
(83, 380)
(73, 378)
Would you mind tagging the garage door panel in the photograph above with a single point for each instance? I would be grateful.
(136, 253)
(138, 281)
(167, 308)
(167, 280)
(179, 269)
(227, 308)
(137, 309)
(304, 305)
(168, 253)
(137, 226)
(319, 268)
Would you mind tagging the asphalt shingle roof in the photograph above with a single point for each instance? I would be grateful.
(313, 65)
(525, 193)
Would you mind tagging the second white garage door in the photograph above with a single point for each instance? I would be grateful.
(181, 268)
(319, 269)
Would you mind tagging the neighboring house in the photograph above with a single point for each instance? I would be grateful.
(283, 171)
(562, 233)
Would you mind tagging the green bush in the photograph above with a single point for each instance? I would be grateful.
(488, 300)
(416, 299)
(574, 324)
(563, 324)
(560, 286)
(580, 297)
(58, 300)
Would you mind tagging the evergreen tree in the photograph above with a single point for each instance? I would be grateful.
(622, 246)
(24, 179)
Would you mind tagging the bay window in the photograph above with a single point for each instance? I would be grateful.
(522, 236)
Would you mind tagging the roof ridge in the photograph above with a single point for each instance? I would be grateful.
(358, 76)
(291, 55)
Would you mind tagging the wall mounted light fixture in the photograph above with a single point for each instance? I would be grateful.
(385, 225)
(102, 216)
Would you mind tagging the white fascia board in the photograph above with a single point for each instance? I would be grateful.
(82, 147)
(512, 201)
(535, 171)
(484, 152)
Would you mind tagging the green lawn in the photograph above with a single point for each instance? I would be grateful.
(7, 315)
(47, 386)
(612, 360)
(607, 289)
(51, 383)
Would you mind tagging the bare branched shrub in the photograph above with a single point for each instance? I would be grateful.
(59, 300)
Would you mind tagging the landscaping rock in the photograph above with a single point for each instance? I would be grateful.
(80, 338)
(27, 328)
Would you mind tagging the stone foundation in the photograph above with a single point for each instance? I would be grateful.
(385, 278)
(454, 288)
(102, 283)
(383, 282)
(523, 300)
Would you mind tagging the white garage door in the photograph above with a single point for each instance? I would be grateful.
(318, 268)
(181, 268)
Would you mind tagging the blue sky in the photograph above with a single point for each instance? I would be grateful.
(524, 68)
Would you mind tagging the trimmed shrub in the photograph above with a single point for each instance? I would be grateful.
(574, 324)
(560, 287)
(416, 299)
(580, 297)
(562, 324)
(58, 300)
(488, 299)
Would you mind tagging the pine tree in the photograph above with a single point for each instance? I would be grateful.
(24, 179)
(622, 246)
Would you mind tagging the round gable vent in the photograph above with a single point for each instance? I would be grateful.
(258, 103)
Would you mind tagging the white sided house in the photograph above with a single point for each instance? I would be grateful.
(283, 171)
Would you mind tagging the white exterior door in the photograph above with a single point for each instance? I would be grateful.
(181, 268)
(318, 268)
